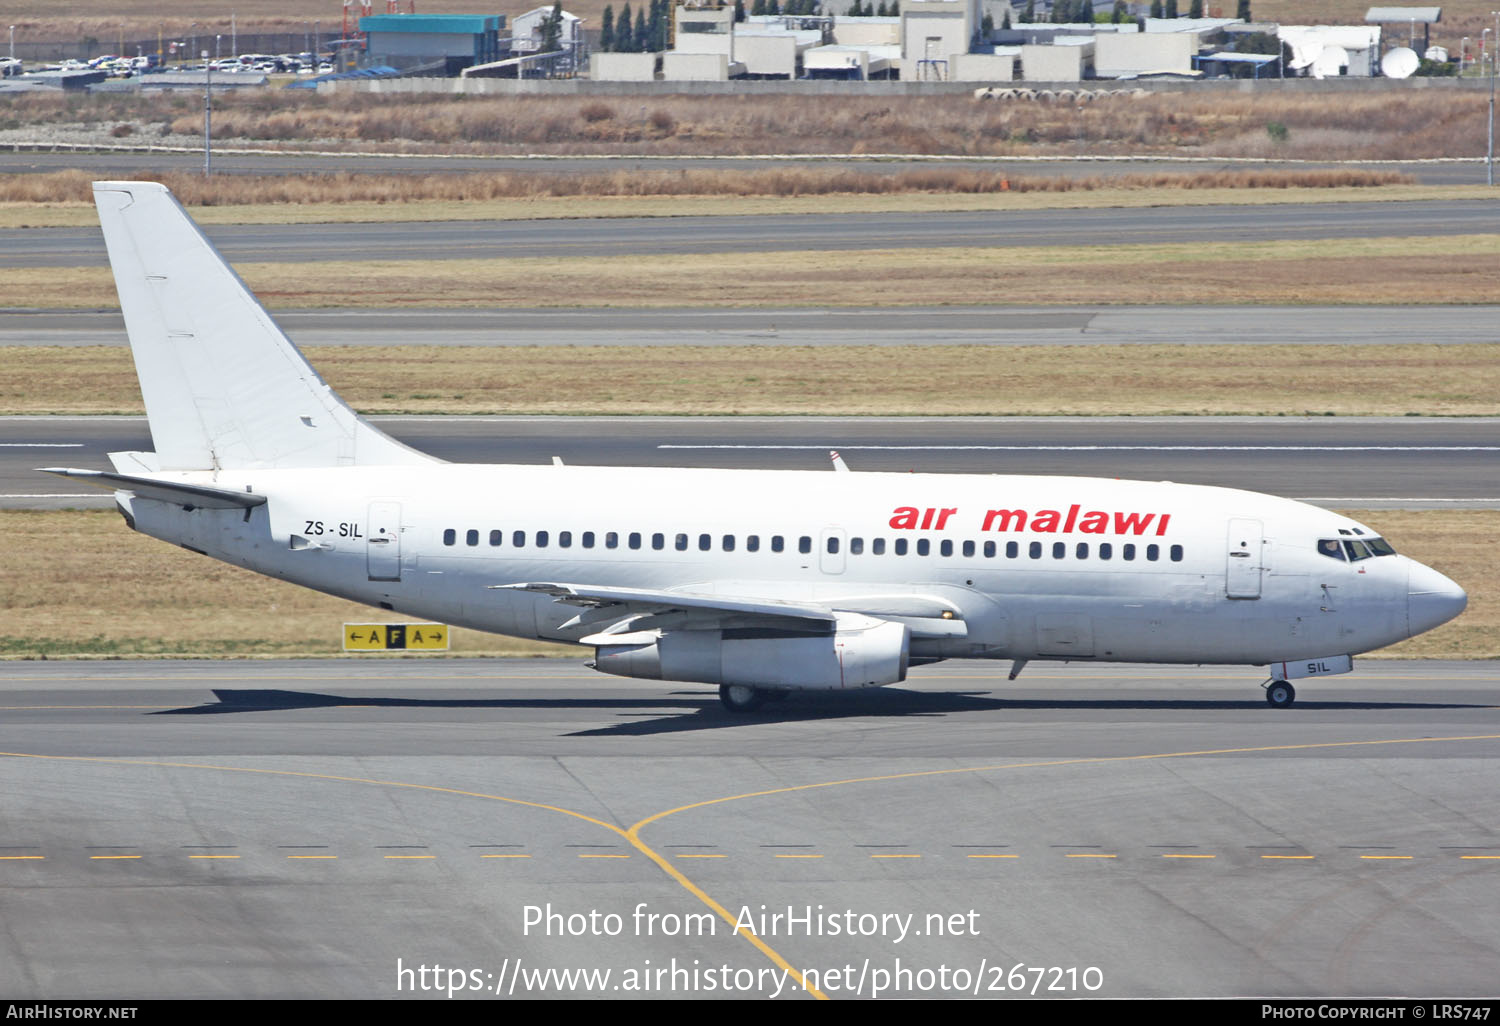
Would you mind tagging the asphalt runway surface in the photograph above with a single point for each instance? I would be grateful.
(106, 164)
(1341, 462)
(904, 326)
(312, 829)
(629, 236)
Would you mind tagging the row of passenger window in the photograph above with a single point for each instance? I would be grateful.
(681, 542)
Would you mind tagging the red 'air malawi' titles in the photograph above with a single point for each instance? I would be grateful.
(1043, 521)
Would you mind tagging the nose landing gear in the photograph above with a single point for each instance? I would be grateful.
(1280, 694)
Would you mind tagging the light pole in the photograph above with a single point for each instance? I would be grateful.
(1489, 153)
(1463, 53)
(12, 42)
(208, 115)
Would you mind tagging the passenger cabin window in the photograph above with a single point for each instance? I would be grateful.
(658, 541)
(1153, 552)
(518, 539)
(900, 546)
(705, 542)
(856, 546)
(1059, 550)
(968, 549)
(1106, 550)
(728, 541)
(1176, 553)
(778, 543)
(588, 539)
(612, 540)
(1012, 550)
(945, 547)
(989, 550)
(877, 546)
(1127, 551)
(923, 546)
(472, 538)
(1082, 551)
(565, 539)
(804, 544)
(635, 539)
(833, 544)
(680, 542)
(1034, 550)
(752, 543)
(495, 537)
(450, 536)
(541, 539)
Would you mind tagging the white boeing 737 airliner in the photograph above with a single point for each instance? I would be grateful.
(762, 582)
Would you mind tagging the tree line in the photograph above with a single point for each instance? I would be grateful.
(1073, 12)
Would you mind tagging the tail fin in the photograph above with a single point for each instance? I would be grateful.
(224, 388)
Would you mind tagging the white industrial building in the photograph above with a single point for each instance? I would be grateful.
(1329, 51)
(933, 32)
(938, 41)
(1144, 53)
(526, 31)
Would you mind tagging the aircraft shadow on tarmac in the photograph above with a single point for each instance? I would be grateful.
(697, 710)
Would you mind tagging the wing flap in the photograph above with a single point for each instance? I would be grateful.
(648, 602)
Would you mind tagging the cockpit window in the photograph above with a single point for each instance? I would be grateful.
(1357, 550)
(1330, 547)
(1380, 546)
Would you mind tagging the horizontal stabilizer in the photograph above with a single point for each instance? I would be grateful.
(182, 494)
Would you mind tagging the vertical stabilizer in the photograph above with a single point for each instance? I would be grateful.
(224, 388)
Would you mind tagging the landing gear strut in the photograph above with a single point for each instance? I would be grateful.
(741, 698)
(1280, 694)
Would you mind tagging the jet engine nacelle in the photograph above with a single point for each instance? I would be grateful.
(862, 652)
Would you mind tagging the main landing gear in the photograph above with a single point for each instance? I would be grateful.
(742, 698)
(1280, 694)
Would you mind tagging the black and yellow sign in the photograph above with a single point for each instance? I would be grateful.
(390, 637)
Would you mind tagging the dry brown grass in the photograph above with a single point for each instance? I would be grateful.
(74, 214)
(82, 583)
(835, 380)
(1442, 269)
(77, 583)
(196, 190)
(1321, 127)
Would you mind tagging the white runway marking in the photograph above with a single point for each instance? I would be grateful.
(1106, 448)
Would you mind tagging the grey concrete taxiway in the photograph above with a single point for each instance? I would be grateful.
(340, 829)
(626, 236)
(1346, 462)
(771, 326)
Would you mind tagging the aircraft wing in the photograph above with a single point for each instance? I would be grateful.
(618, 610)
(644, 608)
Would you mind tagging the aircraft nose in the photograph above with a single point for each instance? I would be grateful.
(1431, 599)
